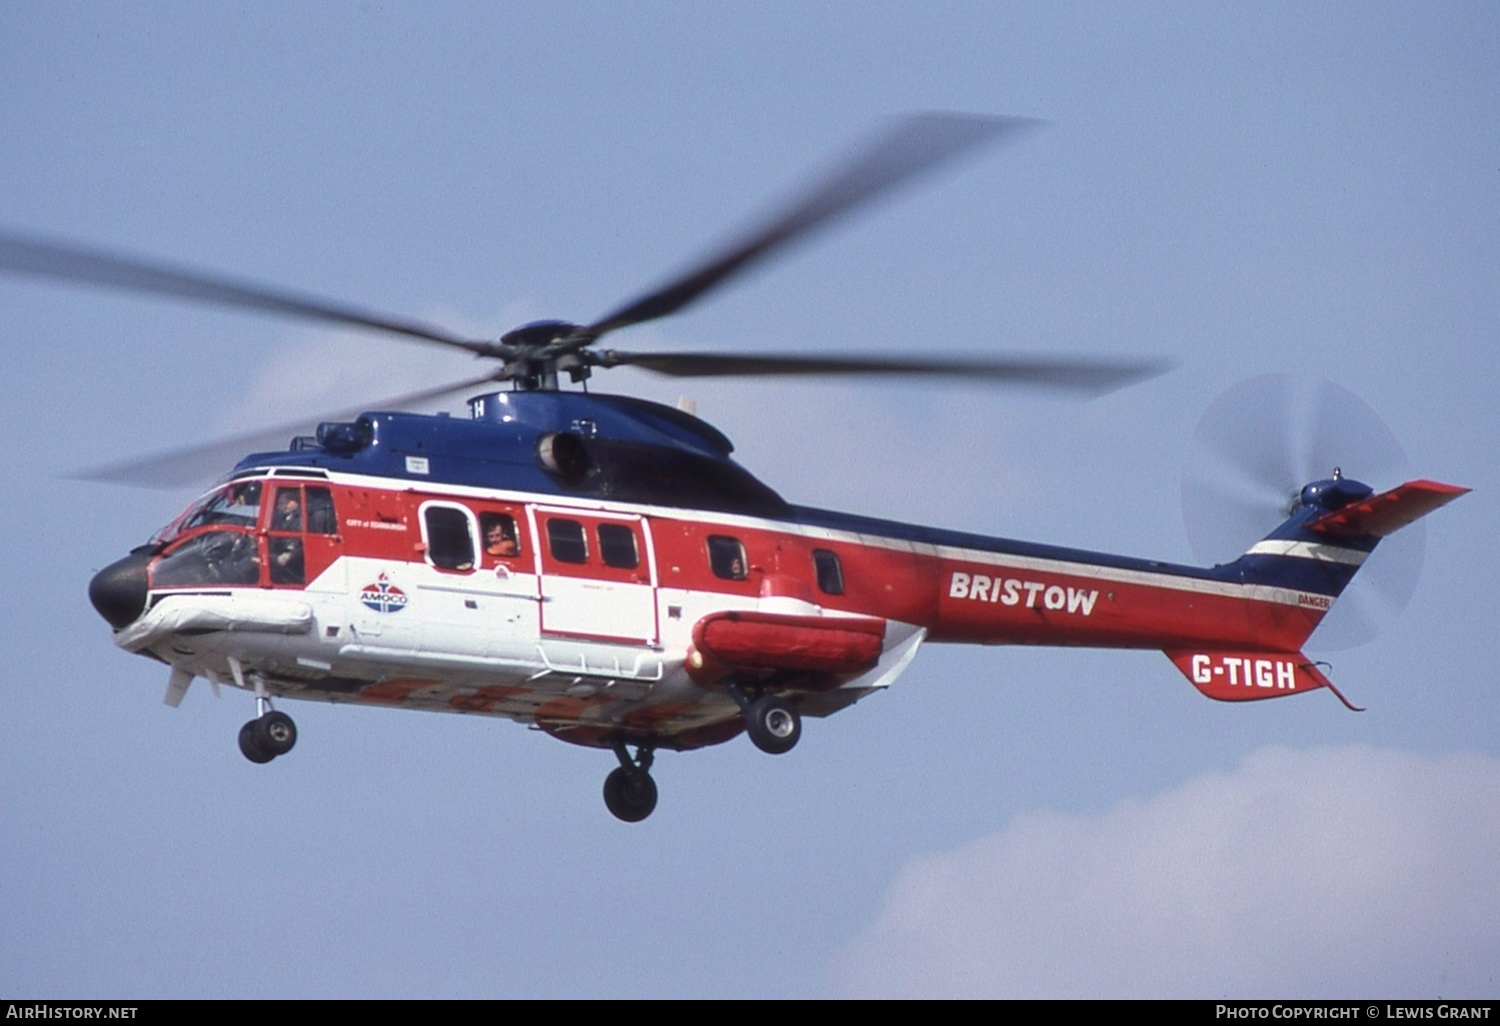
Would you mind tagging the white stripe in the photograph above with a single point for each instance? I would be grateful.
(1163, 579)
(1308, 550)
(1121, 575)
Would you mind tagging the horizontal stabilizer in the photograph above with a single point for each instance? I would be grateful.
(1383, 514)
(1248, 676)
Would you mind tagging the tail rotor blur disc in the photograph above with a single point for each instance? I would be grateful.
(1257, 445)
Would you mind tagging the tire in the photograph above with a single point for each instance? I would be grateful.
(275, 733)
(773, 725)
(250, 744)
(630, 794)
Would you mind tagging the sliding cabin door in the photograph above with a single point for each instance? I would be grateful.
(598, 575)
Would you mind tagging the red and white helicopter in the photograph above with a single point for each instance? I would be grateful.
(598, 566)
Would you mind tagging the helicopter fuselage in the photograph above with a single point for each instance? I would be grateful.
(600, 568)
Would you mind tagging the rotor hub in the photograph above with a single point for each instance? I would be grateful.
(540, 334)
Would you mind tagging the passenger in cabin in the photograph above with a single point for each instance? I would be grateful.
(726, 557)
(500, 537)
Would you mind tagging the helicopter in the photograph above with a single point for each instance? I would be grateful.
(600, 568)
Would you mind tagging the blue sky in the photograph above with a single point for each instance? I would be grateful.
(1301, 189)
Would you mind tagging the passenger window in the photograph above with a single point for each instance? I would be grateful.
(321, 518)
(500, 538)
(567, 541)
(726, 557)
(450, 544)
(617, 546)
(286, 515)
(830, 573)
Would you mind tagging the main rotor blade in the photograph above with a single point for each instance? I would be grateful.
(914, 145)
(20, 254)
(202, 463)
(1090, 377)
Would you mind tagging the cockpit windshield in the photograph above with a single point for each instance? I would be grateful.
(219, 540)
(212, 558)
(235, 505)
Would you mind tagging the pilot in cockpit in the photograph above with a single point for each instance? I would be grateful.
(287, 515)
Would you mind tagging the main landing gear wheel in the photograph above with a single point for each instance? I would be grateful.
(773, 725)
(267, 736)
(629, 791)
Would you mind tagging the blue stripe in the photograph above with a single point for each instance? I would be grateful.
(501, 454)
(1297, 573)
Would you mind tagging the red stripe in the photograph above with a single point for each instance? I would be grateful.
(1015, 606)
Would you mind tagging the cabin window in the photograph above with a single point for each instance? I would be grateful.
(567, 541)
(617, 547)
(830, 573)
(450, 543)
(726, 557)
(501, 541)
(237, 505)
(321, 518)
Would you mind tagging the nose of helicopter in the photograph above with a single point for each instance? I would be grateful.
(119, 590)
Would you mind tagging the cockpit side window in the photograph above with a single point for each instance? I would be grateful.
(321, 517)
(288, 565)
(298, 514)
(286, 514)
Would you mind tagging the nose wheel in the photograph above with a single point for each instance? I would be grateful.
(267, 736)
(629, 791)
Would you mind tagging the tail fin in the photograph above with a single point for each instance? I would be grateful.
(1332, 531)
(1314, 554)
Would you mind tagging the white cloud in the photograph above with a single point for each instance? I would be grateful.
(1332, 872)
